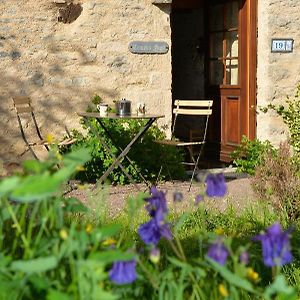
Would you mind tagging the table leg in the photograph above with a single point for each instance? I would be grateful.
(112, 155)
(121, 150)
(127, 148)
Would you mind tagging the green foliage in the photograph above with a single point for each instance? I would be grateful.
(44, 255)
(249, 154)
(146, 156)
(48, 251)
(277, 182)
(290, 113)
(96, 99)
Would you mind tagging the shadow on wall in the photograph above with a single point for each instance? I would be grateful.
(56, 94)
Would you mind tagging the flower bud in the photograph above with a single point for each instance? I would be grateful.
(63, 234)
(155, 255)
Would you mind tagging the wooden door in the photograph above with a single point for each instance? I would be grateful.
(230, 59)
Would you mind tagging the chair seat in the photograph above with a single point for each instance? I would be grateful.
(38, 143)
(65, 142)
(177, 143)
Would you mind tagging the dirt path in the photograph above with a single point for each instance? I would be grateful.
(239, 195)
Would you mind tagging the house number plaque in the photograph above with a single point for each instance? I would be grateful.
(282, 45)
(148, 47)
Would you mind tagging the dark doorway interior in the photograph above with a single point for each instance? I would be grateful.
(187, 62)
(189, 74)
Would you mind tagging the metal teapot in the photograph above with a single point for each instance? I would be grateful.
(123, 107)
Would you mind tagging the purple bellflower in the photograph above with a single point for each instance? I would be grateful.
(123, 272)
(218, 252)
(152, 231)
(157, 202)
(276, 248)
(215, 185)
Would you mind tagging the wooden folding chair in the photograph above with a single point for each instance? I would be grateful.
(24, 111)
(201, 108)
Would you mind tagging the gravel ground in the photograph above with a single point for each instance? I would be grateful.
(239, 195)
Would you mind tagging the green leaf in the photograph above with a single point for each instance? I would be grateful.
(40, 283)
(57, 295)
(181, 221)
(74, 205)
(41, 264)
(78, 157)
(35, 187)
(110, 256)
(8, 184)
(105, 232)
(4, 260)
(135, 203)
(34, 166)
(5, 215)
(11, 289)
(280, 288)
(179, 263)
(231, 277)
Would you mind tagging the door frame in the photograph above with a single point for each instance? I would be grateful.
(221, 147)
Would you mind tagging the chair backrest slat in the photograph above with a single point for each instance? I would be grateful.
(194, 103)
(196, 112)
(22, 104)
(27, 109)
(193, 107)
(21, 100)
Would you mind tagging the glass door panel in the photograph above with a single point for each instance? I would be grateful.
(232, 44)
(224, 44)
(232, 72)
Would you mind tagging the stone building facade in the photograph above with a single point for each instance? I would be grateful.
(61, 57)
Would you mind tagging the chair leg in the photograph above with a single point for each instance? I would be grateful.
(196, 166)
(160, 170)
(33, 153)
(157, 179)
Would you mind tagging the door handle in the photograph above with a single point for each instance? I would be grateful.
(233, 97)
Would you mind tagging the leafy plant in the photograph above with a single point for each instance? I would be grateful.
(146, 157)
(276, 181)
(48, 252)
(249, 154)
(44, 255)
(290, 113)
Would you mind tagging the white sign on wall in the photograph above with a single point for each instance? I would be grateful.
(282, 45)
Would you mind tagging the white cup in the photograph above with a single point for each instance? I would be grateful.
(140, 108)
(102, 109)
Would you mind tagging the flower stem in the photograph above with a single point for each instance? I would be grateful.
(149, 275)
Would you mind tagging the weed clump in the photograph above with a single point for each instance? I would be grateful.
(277, 182)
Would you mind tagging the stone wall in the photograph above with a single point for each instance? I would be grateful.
(278, 74)
(61, 65)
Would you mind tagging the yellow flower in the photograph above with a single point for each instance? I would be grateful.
(109, 242)
(223, 291)
(80, 168)
(63, 234)
(81, 187)
(219, 231)
(88, 228)
(252, 275)
(50, 138)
